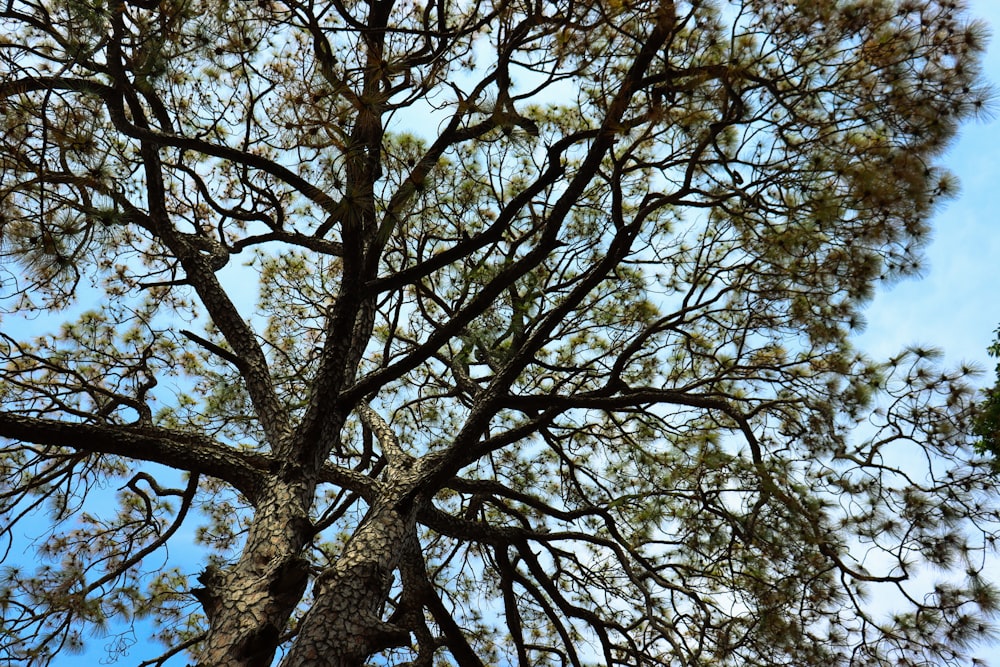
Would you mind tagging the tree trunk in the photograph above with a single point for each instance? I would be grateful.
(248, 605)
(344, 626)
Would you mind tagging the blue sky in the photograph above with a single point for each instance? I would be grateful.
(955, 306)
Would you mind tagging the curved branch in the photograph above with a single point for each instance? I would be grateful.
(186, 499)
(635, 397)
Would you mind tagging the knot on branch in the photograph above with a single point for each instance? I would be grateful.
(211, 580)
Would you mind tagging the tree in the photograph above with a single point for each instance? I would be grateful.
(986, 424)
(549, 360)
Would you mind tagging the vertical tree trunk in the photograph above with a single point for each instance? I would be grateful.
(249, 604)
(344, 626)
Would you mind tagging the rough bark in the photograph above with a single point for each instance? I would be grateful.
(344, 625)
(249, 604)
(569, 359)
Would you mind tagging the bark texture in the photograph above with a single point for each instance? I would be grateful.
(547, 357)
(345, 623)
(249, 603)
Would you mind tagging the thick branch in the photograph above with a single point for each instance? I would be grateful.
(175, 449)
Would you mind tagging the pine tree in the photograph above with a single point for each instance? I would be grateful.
(481, 333)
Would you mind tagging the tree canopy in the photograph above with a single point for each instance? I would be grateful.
(479, 333)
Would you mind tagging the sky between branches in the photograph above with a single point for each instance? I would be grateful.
(955, 306)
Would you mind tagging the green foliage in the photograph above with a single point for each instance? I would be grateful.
(482, 333)
(987, 423)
